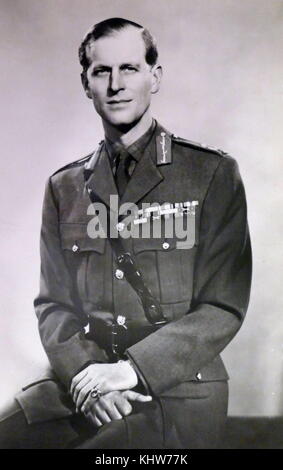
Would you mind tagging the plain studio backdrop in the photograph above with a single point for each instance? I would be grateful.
(222, 86)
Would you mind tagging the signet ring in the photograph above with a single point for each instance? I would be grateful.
(95, 393)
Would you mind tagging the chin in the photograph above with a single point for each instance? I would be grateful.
(121, 120)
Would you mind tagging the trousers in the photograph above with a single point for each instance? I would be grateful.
(164, 423)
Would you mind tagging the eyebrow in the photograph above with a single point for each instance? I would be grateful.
(97, 66)
(124, 64)
(131, 64)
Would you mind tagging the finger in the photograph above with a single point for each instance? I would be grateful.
(83, 394)
(102, 416)
(113, 411)
(79, 387)
(97, 422)
(134, 396)
(90, 404)
(124, 406)
(76, 380)
(86, 406)
(93, 419)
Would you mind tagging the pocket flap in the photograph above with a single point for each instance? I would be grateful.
(153, 244)
(74, 237)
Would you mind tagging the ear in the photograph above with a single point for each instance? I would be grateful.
(156, 78)
(85, 85)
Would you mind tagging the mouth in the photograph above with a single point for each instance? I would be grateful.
(118, 101)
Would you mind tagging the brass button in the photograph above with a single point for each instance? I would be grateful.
(120, 226)
(121, 320)
(75, 248)
(165, 245)
(119, 274)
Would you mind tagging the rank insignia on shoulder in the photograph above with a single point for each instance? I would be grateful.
(74, 164)
(163, 149)
(197, 145)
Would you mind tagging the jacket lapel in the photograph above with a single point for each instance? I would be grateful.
(101, 180)
(146, 175)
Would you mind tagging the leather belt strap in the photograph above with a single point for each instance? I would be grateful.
(127, 263)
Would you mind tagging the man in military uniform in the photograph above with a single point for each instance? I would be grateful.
(133, 328)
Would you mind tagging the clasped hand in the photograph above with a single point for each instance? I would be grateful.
(111, 406)
(107, 378)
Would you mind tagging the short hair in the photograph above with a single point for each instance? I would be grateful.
(106, 28)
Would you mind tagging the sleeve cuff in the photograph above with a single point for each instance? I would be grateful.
(142, 384)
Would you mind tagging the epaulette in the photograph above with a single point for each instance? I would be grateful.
(198, 146)
(74, 164)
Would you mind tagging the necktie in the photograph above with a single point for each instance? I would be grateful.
(122, 176)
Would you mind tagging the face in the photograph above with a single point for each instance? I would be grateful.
(119, 81)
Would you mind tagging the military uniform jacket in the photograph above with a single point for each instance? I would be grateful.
(203, 290)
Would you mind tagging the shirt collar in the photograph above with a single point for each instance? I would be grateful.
(136, 149)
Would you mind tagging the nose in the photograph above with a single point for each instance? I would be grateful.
(116, 82)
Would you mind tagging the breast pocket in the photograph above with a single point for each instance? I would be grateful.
(84, 257)
(169, 269)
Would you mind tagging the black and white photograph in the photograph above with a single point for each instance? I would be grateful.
(141, 226)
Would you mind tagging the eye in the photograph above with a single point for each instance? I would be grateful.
(127, 68)
(100, 72)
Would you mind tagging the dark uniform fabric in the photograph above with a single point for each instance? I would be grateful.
(193, 422)
(203, 291)
(155, 425)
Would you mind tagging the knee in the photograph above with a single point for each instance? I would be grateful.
(8, 410)
(12, 421)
